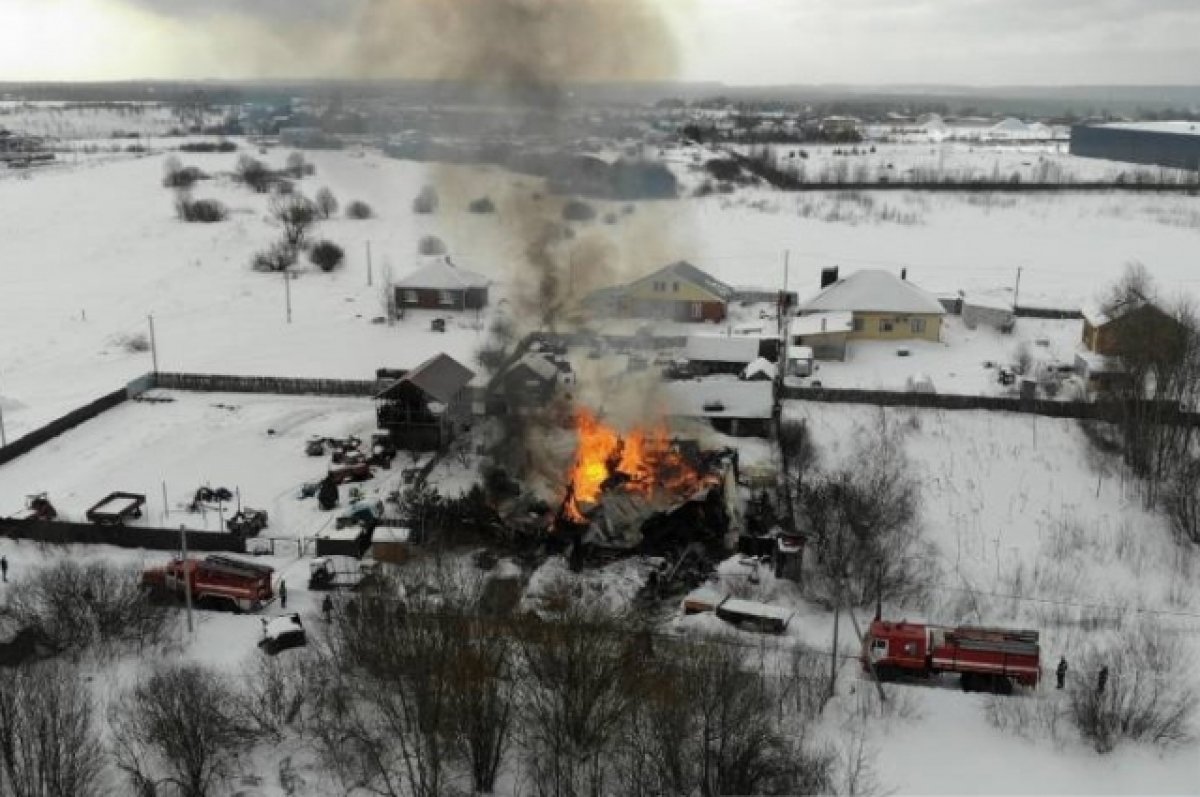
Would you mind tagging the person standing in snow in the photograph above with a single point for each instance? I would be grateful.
(327, 608)
(1061, 671)
(4, 567)
(282, 594)
(1102, 680)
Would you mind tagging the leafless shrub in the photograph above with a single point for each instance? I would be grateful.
(864, 521)
(327, 203)
(431, 245)
(203, 211)
(426, 201)
(326, 255)
(279, 256)
(178, 176)
(254, 174)
(1149, 694)
(276, 692)
(49, 743)
(74, 607)
(178, 729)
(359, 210)
(135, 343)
(298, 167)
(1032, 717)
(297, 215)
(482, 205)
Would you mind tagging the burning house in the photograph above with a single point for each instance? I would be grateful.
(646, 490)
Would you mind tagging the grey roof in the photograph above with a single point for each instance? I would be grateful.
(440, 377)
(686, 271)
(545, 369)
(721, 348)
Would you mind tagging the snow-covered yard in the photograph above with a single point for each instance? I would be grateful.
(252, 445)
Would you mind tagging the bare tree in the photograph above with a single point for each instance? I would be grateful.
(179, 728)
(326, 255)
(49, 743)
(72, 607)
(254, 174)
(863, 517)
(576, 701)
(279, 256)
(327, 203)
(297, 215)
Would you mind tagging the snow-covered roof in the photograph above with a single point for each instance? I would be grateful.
(819, 323)
(874, 290)
(760, 367)
(276, 628)
(719, 398)
(441, 274)
(721, 348)
(538, 364)
(756, 609)
(799, 352)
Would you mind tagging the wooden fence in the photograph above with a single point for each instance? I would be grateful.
(291, 386)
(157, 539)
(23, 445)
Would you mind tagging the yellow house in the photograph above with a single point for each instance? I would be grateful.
(882, 306)
(678, 292)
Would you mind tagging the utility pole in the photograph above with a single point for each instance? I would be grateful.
(370, 275)
(187, 578)
(287, 293)
(1017, 289)
(833, 652)
(153, 343)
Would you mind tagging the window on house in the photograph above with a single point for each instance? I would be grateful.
(858, 325)
(885, 325)
(675, 287)
(917, 325)
(445, 298)
(697, 310)
(410, 297)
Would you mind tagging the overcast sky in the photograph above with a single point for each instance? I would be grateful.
(872, 42)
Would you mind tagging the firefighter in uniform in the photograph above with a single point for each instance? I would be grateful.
(1061, 671)
(1102, 680)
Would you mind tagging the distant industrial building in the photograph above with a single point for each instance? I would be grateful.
(1171, 144)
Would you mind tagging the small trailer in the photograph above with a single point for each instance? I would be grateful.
(750, 615)
(324, 574)
(116, 508)
(986, 659)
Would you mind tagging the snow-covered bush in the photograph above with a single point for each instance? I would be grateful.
(431, 245)
(135, 343)
(279, 256)
(482, 205)
(327, 203)
(575, 210)
(204, 211)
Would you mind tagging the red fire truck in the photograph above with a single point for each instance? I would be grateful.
(217, 582)
(987, 659)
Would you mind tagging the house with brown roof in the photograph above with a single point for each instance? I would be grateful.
(428, 406)
(1134, 324)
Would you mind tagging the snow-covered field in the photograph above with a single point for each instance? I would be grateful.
(872, 161)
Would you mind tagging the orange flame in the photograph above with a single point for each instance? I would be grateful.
(643, 460)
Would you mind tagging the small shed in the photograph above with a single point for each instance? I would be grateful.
(825, 333)
(732, 406)
(799, 361)
(1098, 372)
(530, 381)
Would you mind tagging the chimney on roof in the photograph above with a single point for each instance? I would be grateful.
(904, 274)
(822, 324)
(829, 276)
